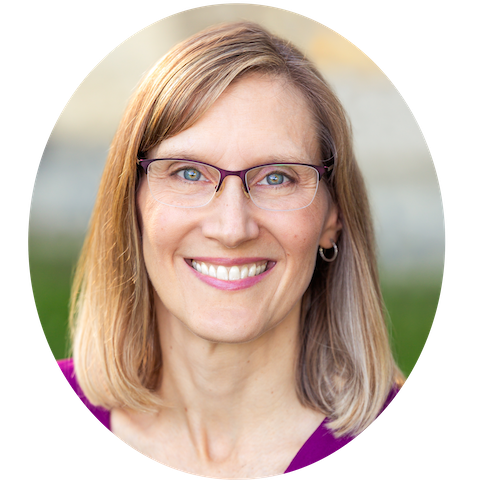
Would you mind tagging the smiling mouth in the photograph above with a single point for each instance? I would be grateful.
(232, 273)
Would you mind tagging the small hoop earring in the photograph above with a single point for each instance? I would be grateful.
(335, 253)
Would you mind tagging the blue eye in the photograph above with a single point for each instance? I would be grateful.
(191, 174)
(275, 179)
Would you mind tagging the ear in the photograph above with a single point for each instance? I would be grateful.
(331, 228)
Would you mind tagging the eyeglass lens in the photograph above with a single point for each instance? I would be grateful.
(273, 187)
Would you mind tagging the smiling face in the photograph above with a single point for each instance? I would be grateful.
(194, 256)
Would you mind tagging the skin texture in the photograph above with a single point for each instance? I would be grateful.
(229, 356)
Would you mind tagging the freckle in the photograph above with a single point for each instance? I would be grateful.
(248, 361)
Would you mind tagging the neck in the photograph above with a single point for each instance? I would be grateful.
(221, 391)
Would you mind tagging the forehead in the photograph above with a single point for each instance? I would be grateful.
(257, 119)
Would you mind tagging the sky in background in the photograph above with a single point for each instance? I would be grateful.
(389, 145)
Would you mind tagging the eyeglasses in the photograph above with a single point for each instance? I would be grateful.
(189, 184)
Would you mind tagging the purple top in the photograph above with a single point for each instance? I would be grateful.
(318, 446)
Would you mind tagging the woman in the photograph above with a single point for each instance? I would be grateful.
(226, 316)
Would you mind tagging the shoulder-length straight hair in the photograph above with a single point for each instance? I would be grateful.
(345, 367)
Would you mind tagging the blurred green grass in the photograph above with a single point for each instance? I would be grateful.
(411, 301)
(411, 304)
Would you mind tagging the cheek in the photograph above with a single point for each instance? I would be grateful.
(153, 217)
(300, 246)
(298, 243)
(155, 225)
(165, 231)
(305, 232)
(301, 242)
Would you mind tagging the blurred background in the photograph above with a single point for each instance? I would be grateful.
(390, 148)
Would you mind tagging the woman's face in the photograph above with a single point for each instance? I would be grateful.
(257, 120)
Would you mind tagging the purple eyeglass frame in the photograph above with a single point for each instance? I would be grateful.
(144, 163)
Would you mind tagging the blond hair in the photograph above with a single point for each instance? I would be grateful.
(345, 368)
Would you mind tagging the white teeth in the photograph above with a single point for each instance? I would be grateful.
(252, 270)
(244, 271)
(222, 273)
(229, 273)
(234, 273)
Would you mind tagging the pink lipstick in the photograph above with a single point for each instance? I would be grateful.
(230, 273)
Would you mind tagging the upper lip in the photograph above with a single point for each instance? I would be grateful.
(230, 262)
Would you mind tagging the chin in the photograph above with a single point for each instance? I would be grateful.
(226, 330)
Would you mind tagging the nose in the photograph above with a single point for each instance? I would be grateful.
(230, 220)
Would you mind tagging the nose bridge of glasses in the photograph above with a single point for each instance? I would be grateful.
(225, 173)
